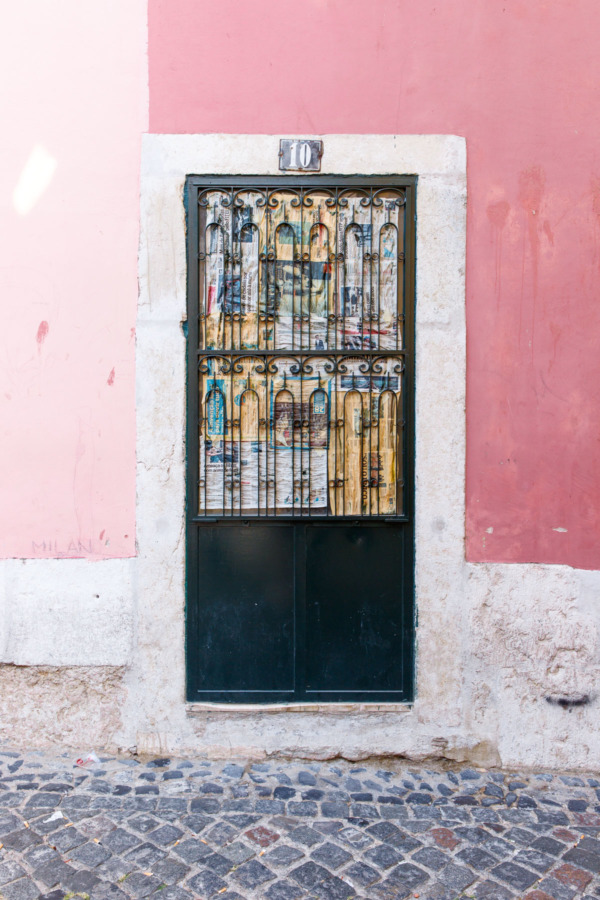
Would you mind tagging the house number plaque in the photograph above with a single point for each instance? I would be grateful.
(296, 155)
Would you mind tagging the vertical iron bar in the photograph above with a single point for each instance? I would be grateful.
(300, 634)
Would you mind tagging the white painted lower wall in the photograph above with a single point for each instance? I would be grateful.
(93, 652)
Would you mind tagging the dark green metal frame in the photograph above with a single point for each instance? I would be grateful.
(404, 521)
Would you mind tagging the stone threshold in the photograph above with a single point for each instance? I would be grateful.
(198, 709)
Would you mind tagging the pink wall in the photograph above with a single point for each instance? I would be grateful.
(519, 79)
(74, 87)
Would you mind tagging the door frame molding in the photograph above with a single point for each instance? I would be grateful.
(439, 161)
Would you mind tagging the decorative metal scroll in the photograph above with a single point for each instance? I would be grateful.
(301, 352)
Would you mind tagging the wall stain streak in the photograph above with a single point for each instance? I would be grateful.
(42, 333)
(532, 182)
(497, 214)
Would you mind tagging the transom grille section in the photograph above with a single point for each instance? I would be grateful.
(299, 332)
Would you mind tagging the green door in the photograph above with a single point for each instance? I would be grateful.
(300, 538)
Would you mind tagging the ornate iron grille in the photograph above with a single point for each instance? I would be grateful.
(298, 328)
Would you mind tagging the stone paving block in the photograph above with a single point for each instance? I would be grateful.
(67, 838)
(334, 810)
(439, 891)
(304, 808)
(269, 807)
(42, 799)
(205, 805)
(284, 793)
(241, 821)
(334, 888)
(563, 834)
(21, 839)
(23, 889)
(551, 818)
(386, 890)
(590, 844)
(333, 826)
(353, 837)
(165, 835)
(556, 888)
(491, 890)
(583, 859)
(361, 875)
(262, 836)
(445, 838)
(207, 883)
(119, 840)
(283, 855)
(498, 846)
(40, 854)
(252, 874)
(514, 875)
(385, 798)
(572, 876)
(8, 823)
(192, 850)
(170, 871)
(331, 856)
(237, 852)
(457, 877)
(218, 863)
(179, 893)
(81, 881)
(548, 845)
(382, 856)
(196, 822)
(431, 858)
(90, 854)
(313, 794)
(114, 869)
(418, 826)
(407, 876)
(309, 874)
(363, 810)
(97, 826)
(398, 813)
(383, 830)
(535, 859)
(53, 873)
(519, 836)
(146, 855)
(476, 857)
(139, 884)
(284, 890)
(308, 837)
(10, 870)
(472, 833)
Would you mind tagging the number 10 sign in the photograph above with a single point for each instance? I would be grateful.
(300, 156)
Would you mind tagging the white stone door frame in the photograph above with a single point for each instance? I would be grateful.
(439, 161)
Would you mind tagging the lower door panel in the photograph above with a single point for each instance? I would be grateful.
(300, 612)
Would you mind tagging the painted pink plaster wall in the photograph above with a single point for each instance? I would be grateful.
(520, 79)
(72, 107)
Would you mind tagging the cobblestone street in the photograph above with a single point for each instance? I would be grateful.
(182, 829)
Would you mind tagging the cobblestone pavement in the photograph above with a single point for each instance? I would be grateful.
(182, 829)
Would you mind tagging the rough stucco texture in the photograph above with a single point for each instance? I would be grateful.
(521, 81)
(72, 115)
(72, 707)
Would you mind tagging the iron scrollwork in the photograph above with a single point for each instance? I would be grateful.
(301, 356)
